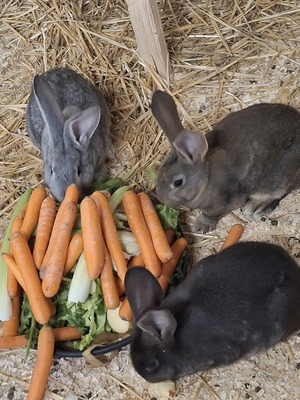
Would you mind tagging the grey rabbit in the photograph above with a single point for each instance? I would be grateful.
(233, 304)
(68, 120)
(250, 160)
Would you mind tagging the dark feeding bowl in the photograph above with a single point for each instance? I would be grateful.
(107, 348)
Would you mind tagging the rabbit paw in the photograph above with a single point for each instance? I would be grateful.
(255, 208)
(204, 224)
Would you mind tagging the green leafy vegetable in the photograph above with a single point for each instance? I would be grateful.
(89, 316)
(116, 197)
(111, 185)
(168, 216)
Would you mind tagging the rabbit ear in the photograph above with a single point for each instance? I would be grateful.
(82, 125)
(165, 112)
(142, 290)
(191, 146)
(158, 323)
(49, 108)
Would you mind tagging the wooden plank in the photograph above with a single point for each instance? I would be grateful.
(147, 26)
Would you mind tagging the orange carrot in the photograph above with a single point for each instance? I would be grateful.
(72, 193)
(12, 283)
(136, 261)
(22, 255)
(136, 221)
(32, 211)
(233, 236)
(167, 269)
(23, 210)
(155, 228)
(42, 366)
(108, 283)
(43, 230)
(93, 242)
(169, 235)
(17, 223)
(55, 228)
(10, 327)
(14, 269)
(110, 233)
(8, 342)
(74, 250)
(66, 333)
(120, 286)
(55, 264)
(125, 312)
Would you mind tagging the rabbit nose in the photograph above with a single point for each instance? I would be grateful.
(152, 366)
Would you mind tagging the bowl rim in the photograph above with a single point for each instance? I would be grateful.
(108, 348)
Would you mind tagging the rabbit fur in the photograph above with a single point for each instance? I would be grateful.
(250, 160)
(234, 304)
(68, 120)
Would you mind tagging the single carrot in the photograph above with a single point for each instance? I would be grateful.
(120, 286)
(32, 211)
(43, 230)
(22, 255)
(233, 236)
(8, 342)
(66, 333)
(42, 366)
(136, 261)
(17, 223)
(110, 233)
(125, 312)
(10, 327)
(14, 269)
(55, 228)
(74, 250)
(155, 228)
(167, 269)
(93, 242)
(55, 264)
(136, 221)
(23, 210)
(170, 235)
(108, 283)
(12, 283)
(72, 193)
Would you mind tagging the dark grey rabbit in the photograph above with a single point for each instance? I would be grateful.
(236, 303)
(251, 159)
(69, 122)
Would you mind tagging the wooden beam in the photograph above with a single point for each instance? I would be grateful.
(148, 30)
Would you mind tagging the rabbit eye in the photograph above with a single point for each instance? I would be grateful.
(178, 182)
(152, 366)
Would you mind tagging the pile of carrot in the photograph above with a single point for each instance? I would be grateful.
(38, 268)
(43, 249)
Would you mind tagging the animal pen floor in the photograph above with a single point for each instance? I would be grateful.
(225, 55)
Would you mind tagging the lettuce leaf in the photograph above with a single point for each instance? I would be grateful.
(89, 316)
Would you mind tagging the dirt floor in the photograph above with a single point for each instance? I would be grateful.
(225, 55)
